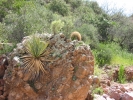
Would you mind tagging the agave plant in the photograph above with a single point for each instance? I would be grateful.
(33, 61)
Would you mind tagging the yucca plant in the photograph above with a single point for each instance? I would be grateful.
(33, 61)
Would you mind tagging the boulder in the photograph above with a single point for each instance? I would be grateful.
(69, 66)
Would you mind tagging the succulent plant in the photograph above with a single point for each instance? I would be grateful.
(33, 61)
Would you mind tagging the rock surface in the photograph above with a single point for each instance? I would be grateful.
(68, 76)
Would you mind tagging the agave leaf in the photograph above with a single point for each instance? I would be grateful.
(29, 64)
(26, 60)
(36, 47)
(31, 67)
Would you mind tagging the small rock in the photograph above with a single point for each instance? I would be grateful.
(114, 94)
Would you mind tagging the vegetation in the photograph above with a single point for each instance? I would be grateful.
(56, 26)
(33, 61)
(98, 90)
(121, 74)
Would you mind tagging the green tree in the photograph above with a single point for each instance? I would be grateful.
(10, 5)
(59, 6)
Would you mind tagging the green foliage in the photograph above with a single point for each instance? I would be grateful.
(75, 3)
(56, 26)
(59, 6)
(68, 26)
(103, 25)
(33, 61)
(67, 1)
(3, 32)
(31, 19)
(103, 56)
(6, 48)
(122, 31)
(119, 55)
(121, 74)
(35, 47)
(10, 5)
(98, 90)
(89, 34)
(84, 15)
(94, 5)
(98, 71)
(5, 6)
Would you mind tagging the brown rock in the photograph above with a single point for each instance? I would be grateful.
(2, 97)
(127, 96)
(115, 95)
(69, 65)
(129, 73)
(1, 82)
(1, 92)
(1, 88)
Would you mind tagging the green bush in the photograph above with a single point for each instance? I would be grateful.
(121, 74)
(98, 90)
(68, 25)
(89, 34)
(59, 6)
(31, 19)
(3, 32)
(7, 48)
(103, 56)
(56, 26)
(75, 3)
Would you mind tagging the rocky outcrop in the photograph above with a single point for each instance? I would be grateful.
(69, 65)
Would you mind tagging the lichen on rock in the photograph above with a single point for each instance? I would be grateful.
(69, 65)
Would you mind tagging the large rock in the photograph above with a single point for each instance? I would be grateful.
(68, 75)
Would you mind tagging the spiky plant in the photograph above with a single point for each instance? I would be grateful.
(56, 26)
(33, 61)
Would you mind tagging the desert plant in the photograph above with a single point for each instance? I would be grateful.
(121, 74)
(56, 26)
(103, 56)
(33, 61)
(98, 90)
(6, 48)
(59, 6)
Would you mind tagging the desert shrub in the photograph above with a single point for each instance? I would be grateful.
(103, 56)
(56, 26)
(89, 34)
(59, 6)
(121, 74)
(68, 26)
(98, 90)
(6, 48)
(75, 3)
(3, 32)
(119, 56)
(10, 5)
(31, 19)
